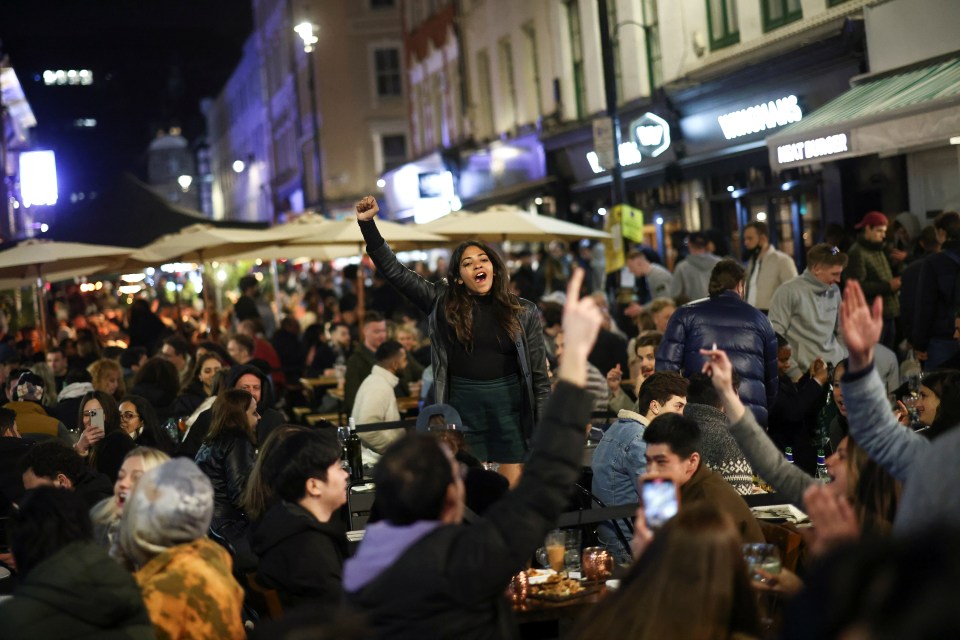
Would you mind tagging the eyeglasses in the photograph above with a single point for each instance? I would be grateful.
(127, 416)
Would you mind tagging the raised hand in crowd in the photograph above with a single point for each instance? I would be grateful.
(367, 208)
(720, 370)
(861, 324)
(819, 371)
(614, 377)
(581, 325)
(834, 522)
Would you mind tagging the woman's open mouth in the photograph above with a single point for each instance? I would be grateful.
(480, 277)
(122, 498)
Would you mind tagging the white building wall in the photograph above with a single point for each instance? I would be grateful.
(685, 38)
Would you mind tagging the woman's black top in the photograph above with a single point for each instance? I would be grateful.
(493, 354)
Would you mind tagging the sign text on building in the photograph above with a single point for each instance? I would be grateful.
(815, 148)
(760, 117)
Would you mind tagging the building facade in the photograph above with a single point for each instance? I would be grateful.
(270, 118)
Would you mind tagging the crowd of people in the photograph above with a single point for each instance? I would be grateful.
(153, 482)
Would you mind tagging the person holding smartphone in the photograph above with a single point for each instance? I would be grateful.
(99, 417)
(673, 454)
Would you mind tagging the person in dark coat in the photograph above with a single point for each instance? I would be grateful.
(726, 322)
(300, 544)
(255, 382)
(12, 448)
(937, 297)
(421, 572)
(69, 587)
(144, 327)
(158, 382)
(226, 457)
(488, 355)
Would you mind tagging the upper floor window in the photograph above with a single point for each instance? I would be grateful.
(382, 4)
(389, 78)
(777, 13)
(722, 21)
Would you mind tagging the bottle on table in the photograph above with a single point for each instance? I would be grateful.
(788, 454)
(354, 452)
(822, 474)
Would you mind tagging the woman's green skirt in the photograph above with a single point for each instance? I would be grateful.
(491, 411)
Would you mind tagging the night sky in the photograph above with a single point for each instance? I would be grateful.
(153, 61)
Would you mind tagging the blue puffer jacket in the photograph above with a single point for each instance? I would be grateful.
(734, 326)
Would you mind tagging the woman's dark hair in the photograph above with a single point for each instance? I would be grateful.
(161, 373)
(194, 380)
(153, 434)
(216, 347)
(412, 479)
(230, 415)
(258, 494)
(48, 520)
(111, 414)
(459, 303)
(946, 384)
(691, 582)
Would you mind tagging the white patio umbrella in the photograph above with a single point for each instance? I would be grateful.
(31, 262)
(500, 223)
(203, 242)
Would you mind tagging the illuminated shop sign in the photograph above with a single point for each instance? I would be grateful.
(651, 137)
(760, 117)
(38, 178)
(810, 149)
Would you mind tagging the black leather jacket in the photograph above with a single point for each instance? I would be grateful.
(430, 297)
(227, 461)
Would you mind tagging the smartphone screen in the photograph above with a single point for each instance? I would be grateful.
(659, 501)
(96, 419)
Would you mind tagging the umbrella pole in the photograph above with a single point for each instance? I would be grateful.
(361, 292)
(213, 317)
(275, 276)
(42, 313)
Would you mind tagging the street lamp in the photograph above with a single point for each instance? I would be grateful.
(308, 33)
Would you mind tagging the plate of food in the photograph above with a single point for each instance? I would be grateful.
(557, 588)
(539, 576)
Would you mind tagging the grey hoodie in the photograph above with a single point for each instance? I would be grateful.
(807, 313)
(691, 278)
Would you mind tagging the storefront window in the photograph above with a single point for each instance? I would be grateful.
(723, 23)
(777, 13)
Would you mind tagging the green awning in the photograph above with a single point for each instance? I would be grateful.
(834, 130)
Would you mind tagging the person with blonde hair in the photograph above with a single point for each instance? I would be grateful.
(106, 514)
(107, 377)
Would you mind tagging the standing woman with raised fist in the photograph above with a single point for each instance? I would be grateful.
(488, 355)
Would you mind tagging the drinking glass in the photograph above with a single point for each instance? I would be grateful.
(571, 550)
(555, 546)
(761, 556)
(597, 564)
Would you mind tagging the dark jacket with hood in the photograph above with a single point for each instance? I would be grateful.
(737, 328)
(270, 418)
(431, 299)
(301, 557)
(934, 312)
(435, 580)
(78, 592)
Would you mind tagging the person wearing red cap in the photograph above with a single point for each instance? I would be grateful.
(870, 266)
